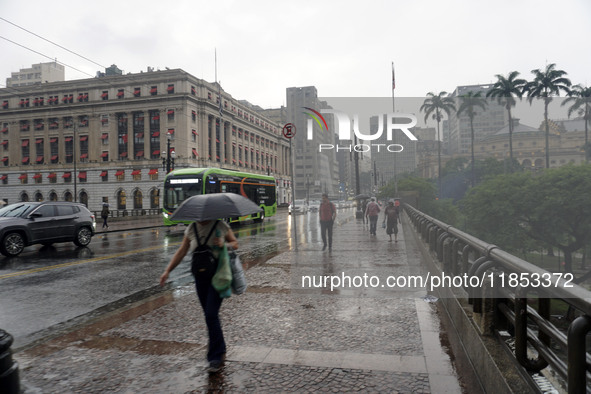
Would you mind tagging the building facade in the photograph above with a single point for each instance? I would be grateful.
(110, 138)
(316, 171)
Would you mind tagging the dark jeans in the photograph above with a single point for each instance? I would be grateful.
(211, 303)
(373, 221)
(105, 222)
(326, 227)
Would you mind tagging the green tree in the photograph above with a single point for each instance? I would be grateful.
(580, 97)
(505, 90)
(549, 209)
(469, 102)
(546, 84)
(434, 106)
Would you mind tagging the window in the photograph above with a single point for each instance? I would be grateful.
(24, 125)
(68, 122)
(24, 179)
(137, 92)
(154, 90)
(193, 135)
(120, 175)
(4, 179)
(105, 120)
(193, 116)
(39, 151)
(83, 121)
(5, 104)
(82, 176)
(105, 156)
(170, 114)
(5, 145)
(52, 177)
(53, 124)
(84, 148)
(54, 149)
(120, 93)
(137, 175)
(67, 177)
(153, 174)
(5, 161)
(193, 91)
(105, 95)
(104, 176)
(25, 151)
(170, 89)
(83, 97)
(69, 141)
(38, 178)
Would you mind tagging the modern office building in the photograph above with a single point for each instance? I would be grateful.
(37, 74)
(486, 122)
(112, 137)
(316, 171)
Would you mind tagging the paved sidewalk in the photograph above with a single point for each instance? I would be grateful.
(281, 337)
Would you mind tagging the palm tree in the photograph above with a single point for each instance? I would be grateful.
(546, 84)
(580, 96)
(469, 102)
(434, 106)
(504, 91)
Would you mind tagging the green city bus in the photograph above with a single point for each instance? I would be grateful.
(184, 183)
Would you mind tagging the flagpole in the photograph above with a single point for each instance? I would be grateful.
(394, 111)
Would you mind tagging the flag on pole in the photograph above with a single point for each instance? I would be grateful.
(393, 77)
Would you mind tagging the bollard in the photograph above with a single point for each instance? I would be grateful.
(9, 383)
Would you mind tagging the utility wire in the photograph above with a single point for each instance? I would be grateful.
(51, 42)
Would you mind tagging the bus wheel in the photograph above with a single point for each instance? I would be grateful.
(261, 218)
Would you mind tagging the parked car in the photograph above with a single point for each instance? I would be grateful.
(314, 205)
(300, 207)
(29, 223)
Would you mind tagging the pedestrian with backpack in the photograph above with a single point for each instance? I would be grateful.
(372, 213)
(105, 215)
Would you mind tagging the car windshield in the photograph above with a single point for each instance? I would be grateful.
(16, 210)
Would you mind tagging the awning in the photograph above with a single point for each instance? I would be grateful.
(195, 152)
(23, 176)
(105, 136)
(119, 173)
(123, 154)
(104, 173)
(194, 132)
(39, 159)
(153, 171)
(105, 154)
(39, 141)
(53, 140)
(68, 139)
(120, 94)
(67, 175)
(5, 142)
(54, 157)
(82, 175)
(139, 153)
(84, 155)
(52, 175)
(139, 135)
(4, 130)
(25, 143)
(170, 88)
(124, 138)
(153, 90)
(157, 117)
(156, 134)
(170, 112)
(83, 138)
(156, 153)
(136, 172)
(36, 176)
(25, 159)
(171, 131)
(4, 159)
(104, 95)
(3, 177)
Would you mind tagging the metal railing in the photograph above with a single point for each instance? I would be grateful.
(508, 308)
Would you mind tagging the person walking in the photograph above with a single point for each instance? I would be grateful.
(372, 212)
(105, 214)
(205, 240)
(391, 218)
(327, 213)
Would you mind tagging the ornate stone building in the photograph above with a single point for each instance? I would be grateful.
(108, 138)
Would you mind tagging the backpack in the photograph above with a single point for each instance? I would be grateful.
(373, 209)
(105, 212)
(203, 262)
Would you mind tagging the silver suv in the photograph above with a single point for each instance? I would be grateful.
(29, 223)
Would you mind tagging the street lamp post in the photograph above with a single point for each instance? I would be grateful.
(168, 156)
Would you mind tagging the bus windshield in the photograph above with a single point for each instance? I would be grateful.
(178, 189)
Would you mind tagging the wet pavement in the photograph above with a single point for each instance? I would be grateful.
(281, 336)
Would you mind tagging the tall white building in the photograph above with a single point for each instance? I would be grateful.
(37, 74)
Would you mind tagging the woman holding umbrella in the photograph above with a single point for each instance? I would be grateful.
(206, 234)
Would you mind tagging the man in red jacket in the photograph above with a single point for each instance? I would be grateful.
(328, 213)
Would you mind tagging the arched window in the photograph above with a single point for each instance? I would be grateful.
(53, 196)
(121, 200)
(38, 196)
(83, 198)
(24, 197)
(68, 197)
(138, 198)
(155, 198)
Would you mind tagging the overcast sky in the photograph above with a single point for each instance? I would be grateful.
(344, 48)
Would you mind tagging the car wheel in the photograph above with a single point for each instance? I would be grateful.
(83, 236)
(12, 244)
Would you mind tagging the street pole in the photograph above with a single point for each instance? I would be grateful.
(74, 160)
(295, 233)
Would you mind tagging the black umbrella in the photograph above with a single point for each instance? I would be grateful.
(361, 196)
(214, 206)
